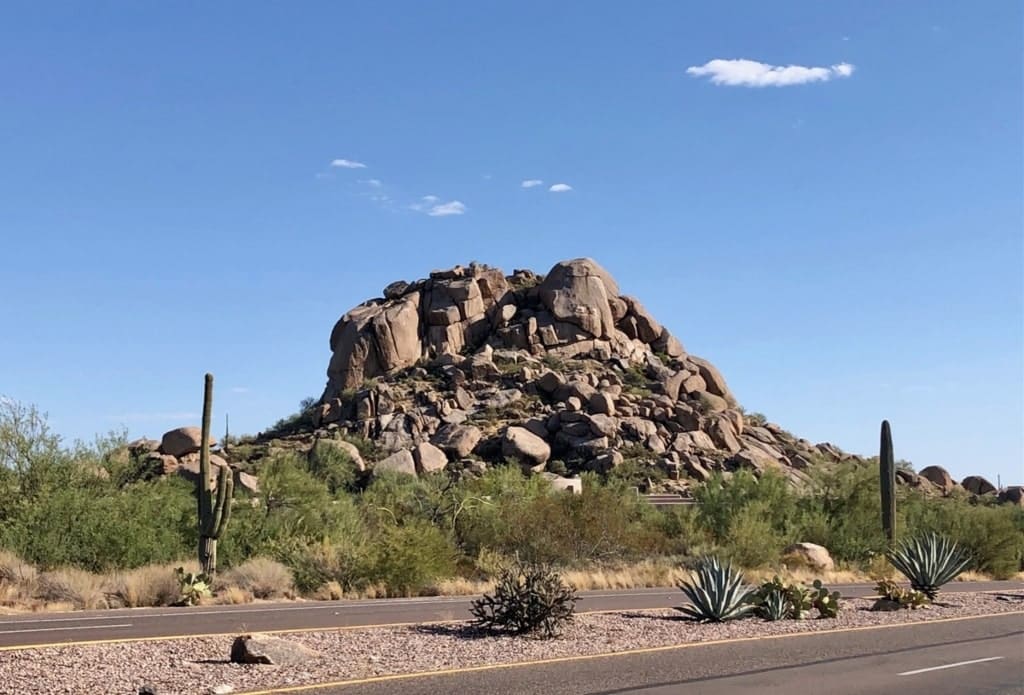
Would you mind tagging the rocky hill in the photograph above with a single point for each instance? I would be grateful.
(560, 373)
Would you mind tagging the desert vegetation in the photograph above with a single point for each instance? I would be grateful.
(82, 526)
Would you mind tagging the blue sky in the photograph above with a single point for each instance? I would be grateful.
(840, 233)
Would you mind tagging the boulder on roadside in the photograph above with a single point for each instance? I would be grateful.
(264, 649)
(814, 556)
(429, 458)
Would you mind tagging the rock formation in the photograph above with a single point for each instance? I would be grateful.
(561, 373)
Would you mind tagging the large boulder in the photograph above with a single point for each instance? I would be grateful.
(347, 448)
(578, 292)
(183, 441)
(265, 649)
(1014, 494)
(810, 554)
(429, 458)
(522, 444)
(938, 476)
(977, 485)
(457, 441)
(399, 462)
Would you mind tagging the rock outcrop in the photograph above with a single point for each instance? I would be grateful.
(561, 372)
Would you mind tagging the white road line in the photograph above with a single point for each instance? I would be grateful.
(939, 668)
(55, 629)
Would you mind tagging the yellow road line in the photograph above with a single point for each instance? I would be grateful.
(590, 657)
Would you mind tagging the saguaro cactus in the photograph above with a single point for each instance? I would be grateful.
(887, 476)
(215, 503)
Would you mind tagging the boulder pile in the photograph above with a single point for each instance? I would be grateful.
(560, 372)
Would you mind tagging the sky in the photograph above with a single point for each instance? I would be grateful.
(825, 200)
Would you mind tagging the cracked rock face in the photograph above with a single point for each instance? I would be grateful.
(575, 310)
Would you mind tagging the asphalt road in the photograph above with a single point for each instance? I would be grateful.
(968, 657)
(54, 628)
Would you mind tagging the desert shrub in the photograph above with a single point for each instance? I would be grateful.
(81, 589)
(333, 467)
(992, 535)
(151, 585)
(262, 577)
(408, 558)
(752, 540)
(528, 599)
(99, 528)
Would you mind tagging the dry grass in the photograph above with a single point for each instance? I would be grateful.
(68, 585)
(230, 596)
(262, 577)
(152, 585)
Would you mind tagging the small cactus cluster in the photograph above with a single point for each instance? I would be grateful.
(798, 600)
(891, 592)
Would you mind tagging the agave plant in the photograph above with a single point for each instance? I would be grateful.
(775, 606)
(718, 594)
(929, 561)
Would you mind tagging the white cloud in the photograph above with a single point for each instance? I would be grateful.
(560, 188)
(347, 164)
(445, 209)
(376, 183)
(530, 183)
(750, 73)
(430, 199)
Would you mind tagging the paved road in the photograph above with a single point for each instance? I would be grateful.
(49, 628)
(957, 658)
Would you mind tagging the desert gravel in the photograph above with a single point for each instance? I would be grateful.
(195, 666)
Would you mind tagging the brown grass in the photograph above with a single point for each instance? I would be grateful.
(152, 585)
(69, 585)
(262, 577)
(231, 596)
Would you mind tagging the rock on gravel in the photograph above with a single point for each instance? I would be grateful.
(265, 649)
(198, 664)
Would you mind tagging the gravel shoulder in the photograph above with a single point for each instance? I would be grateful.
(189, 667)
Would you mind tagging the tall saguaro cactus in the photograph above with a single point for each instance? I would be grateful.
(887, 475)
(215, 503)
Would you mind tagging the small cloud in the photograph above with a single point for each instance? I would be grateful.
(750, 73)
(530, 183)
(560, 188)
(347, 164)
(487, 177)
(846, 38)
(445, 209)
(430, 199)
(375, 183)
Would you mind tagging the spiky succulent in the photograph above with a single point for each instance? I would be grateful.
(929, 561)
(775, 605)
(718, 594)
